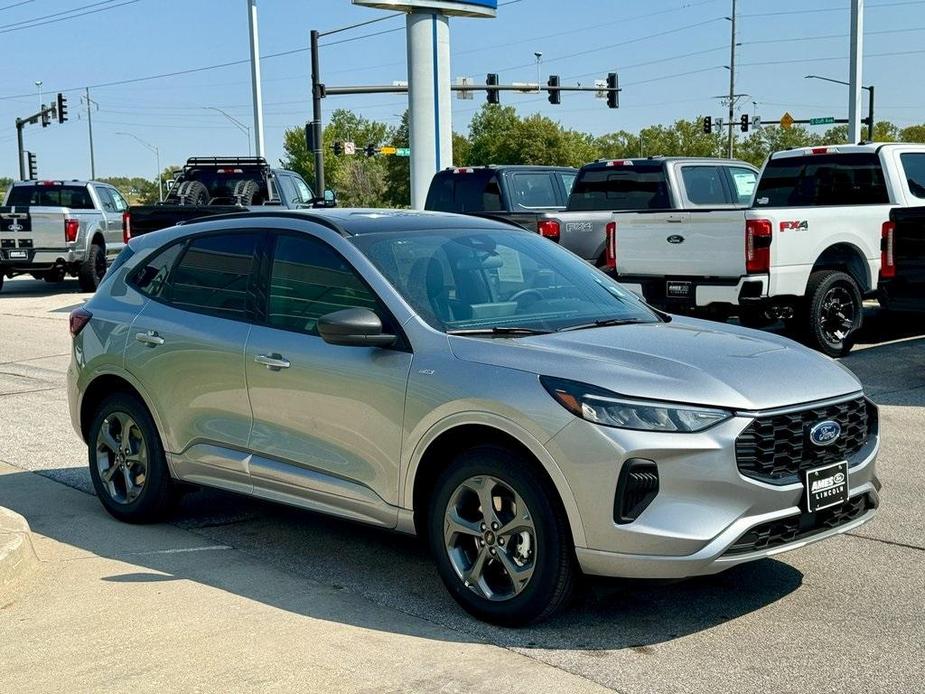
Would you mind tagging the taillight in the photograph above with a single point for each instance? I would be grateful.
(78, 320)
(71, 227)
(757, 246)
(887, 259)
(548, 228)
(610, 247)
(126, 226)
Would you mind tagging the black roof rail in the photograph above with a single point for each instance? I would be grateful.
(279, 214)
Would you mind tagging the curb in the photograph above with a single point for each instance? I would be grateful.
(17, 555)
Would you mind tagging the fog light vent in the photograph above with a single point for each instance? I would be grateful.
(636, 488)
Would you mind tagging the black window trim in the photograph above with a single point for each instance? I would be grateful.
(390, 322)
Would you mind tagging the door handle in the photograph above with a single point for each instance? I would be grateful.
(150, 338)
(675, 220)
(274, 362)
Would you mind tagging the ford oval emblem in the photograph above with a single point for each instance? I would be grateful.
(674, 238)
(825, 433)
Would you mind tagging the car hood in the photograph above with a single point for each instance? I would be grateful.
(684, 360)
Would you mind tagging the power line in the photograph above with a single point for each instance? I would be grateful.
(57, 14)
(72, 16)
(16, 4)
(842, 8)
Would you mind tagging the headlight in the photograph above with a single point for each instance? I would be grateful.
(603, 407)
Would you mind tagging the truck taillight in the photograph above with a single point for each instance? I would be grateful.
(548, 228)
(78, 320)
(71, 228)
(757, 246)
(887, 259)
(126, 226)
(610, 247)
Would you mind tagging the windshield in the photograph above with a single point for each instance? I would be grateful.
(640, 186)
(469, 279)
(822, 180)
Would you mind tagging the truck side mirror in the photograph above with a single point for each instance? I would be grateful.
(330, 199)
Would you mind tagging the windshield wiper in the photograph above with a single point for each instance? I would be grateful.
(498, 330)
(602, 323)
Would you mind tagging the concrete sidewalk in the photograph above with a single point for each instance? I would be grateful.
(117, 607)
(17, 557)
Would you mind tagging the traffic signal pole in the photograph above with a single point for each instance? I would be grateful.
(22, 165)
(318, 134)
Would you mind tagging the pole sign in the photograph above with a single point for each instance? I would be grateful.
(455, 8)
(403, 152)
(824, 120)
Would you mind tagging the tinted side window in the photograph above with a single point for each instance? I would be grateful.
(106, 200)
(213, 275)
(704, 185)
(310, 279)
(151, 277)
(914, 167)
(533, 190)
(465, 192)
(822, 179)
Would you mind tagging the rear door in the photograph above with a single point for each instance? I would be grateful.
(909, 246)
(186, 347)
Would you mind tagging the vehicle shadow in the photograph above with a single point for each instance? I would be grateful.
(390, 570)
(27, 286)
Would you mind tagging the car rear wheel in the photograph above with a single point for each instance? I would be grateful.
(127, 463)
(834, 310)
(93, 268)
(500, 538)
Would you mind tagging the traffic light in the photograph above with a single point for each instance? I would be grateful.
(62, 107)
(743, 122)
(708, 125)
(370, 150)
(338, 148)
(494, 96)
(33, 166)
(613, 94)
(46, 117)
(555, 96)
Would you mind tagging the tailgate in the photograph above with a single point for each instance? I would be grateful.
(688, 243)
(31, 228)
(583, 233)
(148, 218)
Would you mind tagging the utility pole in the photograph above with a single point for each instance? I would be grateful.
(317, 134)
(90, 103)
(732, 82)
(857, 58)
(22, 165)
(255, 78)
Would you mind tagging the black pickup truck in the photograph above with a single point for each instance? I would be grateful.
(902, 272)
(525, 195)
(209, 186)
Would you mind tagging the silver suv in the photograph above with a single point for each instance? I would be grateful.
(468, 381)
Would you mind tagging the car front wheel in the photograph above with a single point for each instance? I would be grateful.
(500, 538)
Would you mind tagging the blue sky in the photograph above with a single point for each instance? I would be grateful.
(670, 55)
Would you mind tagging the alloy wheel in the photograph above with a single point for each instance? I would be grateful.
(837, 314)
(122, 457)
(490, 538)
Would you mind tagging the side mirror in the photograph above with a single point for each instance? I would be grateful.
(354, 327)
(330, 199)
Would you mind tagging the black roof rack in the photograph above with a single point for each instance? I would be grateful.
(226, 161)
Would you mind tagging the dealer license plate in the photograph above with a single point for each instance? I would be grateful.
(826, 486)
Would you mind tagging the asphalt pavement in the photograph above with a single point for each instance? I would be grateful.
(844, 615)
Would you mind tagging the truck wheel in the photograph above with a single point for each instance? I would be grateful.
(244, 192)
(1, 282)
(499, 538)
(93, 268)
(193, 193)
(54, 275)
(833, 313)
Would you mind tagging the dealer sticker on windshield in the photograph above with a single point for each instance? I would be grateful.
(826, 486)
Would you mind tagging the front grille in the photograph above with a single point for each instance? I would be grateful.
(776, 448)
(785, 530)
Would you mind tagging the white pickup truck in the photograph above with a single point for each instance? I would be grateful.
(49, 229)
(815, 242)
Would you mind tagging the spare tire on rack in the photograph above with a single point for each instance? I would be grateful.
(191, 193)
(245, 191)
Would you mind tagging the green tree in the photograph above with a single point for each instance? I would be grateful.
(762, 141)
(398, 169)
(913, 133)
(5, 183)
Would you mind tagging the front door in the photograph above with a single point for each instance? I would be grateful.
(327, 419)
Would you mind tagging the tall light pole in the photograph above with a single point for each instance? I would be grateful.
(38, 86)
(857, 60)
(243, 128)
(539, 60)
(870, 102)
(732, 82)
(255, 78)
(157, 158)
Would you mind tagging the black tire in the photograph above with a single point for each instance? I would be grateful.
(833, 312)
(192, 193)
(554, 567)
(244, 191)
(1, 282)
(93, 268)
(155, 498)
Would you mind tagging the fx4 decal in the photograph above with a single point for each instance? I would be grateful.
(794, 226)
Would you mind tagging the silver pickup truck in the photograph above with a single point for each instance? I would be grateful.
(634, 200)
(50, 229)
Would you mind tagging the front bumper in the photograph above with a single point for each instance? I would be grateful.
(704, 505)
